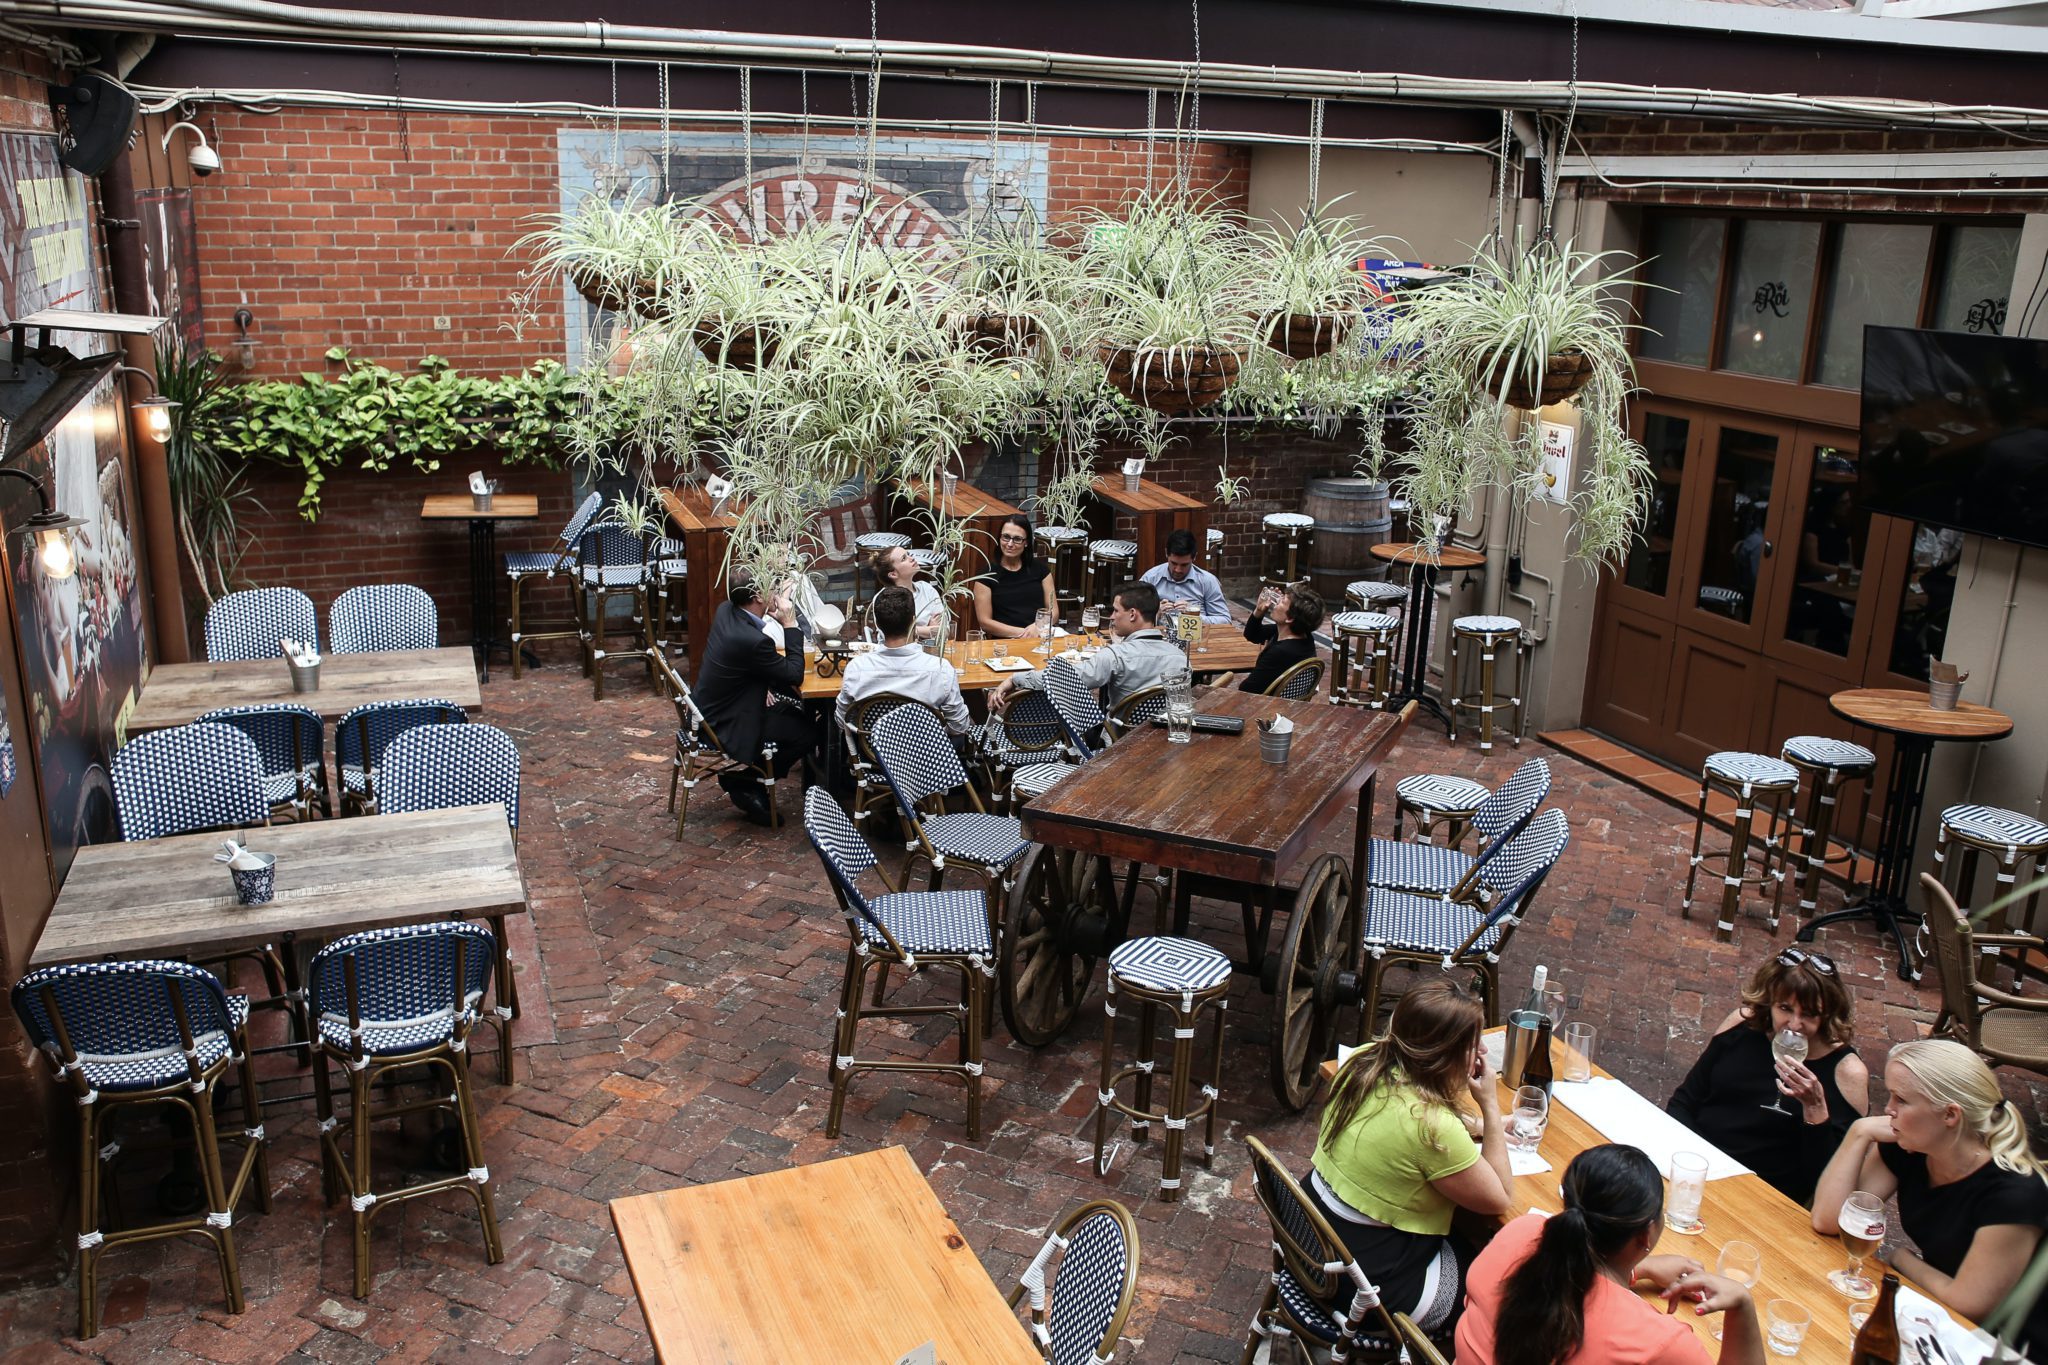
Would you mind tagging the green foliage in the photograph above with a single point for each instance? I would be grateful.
(379, 418)
(207, 490)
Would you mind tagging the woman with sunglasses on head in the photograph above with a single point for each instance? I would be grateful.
(1008, 598)
(1782, 1119)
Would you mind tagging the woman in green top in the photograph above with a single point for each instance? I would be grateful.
(1399, 1151)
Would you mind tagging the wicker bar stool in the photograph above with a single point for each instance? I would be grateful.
(1824, 765)
(1489, 634)
(1437, 798)
(1064, 548)
(1284, 542)
(1184, 977)
(1754, 780)
(2008, 836)
(1373, 594)
(867, 550)
(1211, 543)
(1364, 643)
(1110, 562)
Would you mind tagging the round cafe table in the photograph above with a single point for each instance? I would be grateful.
(1423, 568)
(1915, 728)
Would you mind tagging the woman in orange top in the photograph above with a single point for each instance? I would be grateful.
(1559, 1290)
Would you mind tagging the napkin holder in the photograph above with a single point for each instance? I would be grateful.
(1944, 685)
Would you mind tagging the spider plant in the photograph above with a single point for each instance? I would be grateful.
(1308, 292)
(617, 255)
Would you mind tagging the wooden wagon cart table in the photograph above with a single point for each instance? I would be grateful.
(729, 1271)
(483, 557)
(1420, 627)
(1915, 728)
(1155, 511)
(1211, 811)
(177, 694)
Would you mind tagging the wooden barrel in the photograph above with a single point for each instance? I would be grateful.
(1351, 517)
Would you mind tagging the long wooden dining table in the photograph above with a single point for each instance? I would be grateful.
(177, 694)
(1222, 649)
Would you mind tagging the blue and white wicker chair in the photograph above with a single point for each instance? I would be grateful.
(380, 616)
(384, 1001)
(1375, 595)
(699, 753)
(1432, 870)
(292, 743)
(136, 1033)
(1079, 709)
(1825, 766)
(1063, 547)
(1110, 562)
(871, 792)
(1184, 977)
(248, 625)
(1461, 935)
(1078, 1307)
(362, 735)
(1136, 711)
(914, 929)
(1026, 735)
(524, 566)
(612, 564)
(1438, 798)
(924, 770)
(668, 578)
(438, 767)
(188, 780)
(1317, 1290)
(1759, 784)
(1299, 682)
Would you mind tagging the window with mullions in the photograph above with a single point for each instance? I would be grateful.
(1681, 269)
(1874, 277)
(1973, 279)
(1770, 296)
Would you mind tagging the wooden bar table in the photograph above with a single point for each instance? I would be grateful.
(483, 557)
(157, 897)
(983, 513)
(177, 694)
(730, 1272)
(705, 532)
(1155, 511)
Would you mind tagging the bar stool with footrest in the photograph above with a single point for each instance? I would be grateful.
(383, 1002)
(1755, 781)
(613, 563)
(928, 561)
(1364, 649)
(916, 929)
(1184, 977)
(1430, 870)
(1824, 765)
(1313, 1274)
(668, 571)
(1489, 634)
(248, 624)
(1284, 542)
(2001, 1028)
(1091, 1290)
(140, 1033)
(521, 566)
(2010, 837)
(383, 616)
(1211, 543)
(1064, 548)
(1110, 563)
(870, 548)
(1434, 798)
(1372, 594)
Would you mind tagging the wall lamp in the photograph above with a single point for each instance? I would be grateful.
(202, 159)
(47, 528)
(154, 412)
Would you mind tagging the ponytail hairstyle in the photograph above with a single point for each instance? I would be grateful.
(1611, 1194)
(1429, 1041)
(1949, 1073)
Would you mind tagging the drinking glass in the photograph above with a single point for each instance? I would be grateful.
(1740, 1262)
(1553, 1005)
(1180, 708)
(1859, 1313)
(1091, 621)
(999, 648)
(1043, 628)
(1862, 1225)
(1688, 1189)
(1528, 1119)
(1577, 1062)
(1787, 1045)
(1785, 1324)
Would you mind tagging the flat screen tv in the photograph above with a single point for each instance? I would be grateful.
(1955, 431)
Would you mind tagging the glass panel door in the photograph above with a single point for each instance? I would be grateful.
(1735, 550)
(1649, 571)
(1821, 618)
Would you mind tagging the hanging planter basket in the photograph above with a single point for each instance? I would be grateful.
(1305, 336)
(1563, 376)
(645, 298)
(745, 348)
(1174, 381)
(997, 336)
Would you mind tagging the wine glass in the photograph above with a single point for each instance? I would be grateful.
(1043, 627)
(1530, 1116)
(1553, 1005)
(1787, 1045)
(1091, 621)
(1741, 1263)
(1862, 1231)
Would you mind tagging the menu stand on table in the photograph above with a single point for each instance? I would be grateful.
(483, 558)
(1423, 570)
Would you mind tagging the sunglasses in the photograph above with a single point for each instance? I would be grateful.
(1799, 957)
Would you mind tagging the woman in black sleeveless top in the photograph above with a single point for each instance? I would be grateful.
(1731, 1096)
(1008, 598)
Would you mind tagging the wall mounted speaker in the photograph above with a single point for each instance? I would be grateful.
(100, 115)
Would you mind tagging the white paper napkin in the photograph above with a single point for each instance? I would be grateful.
(1622, 1115)
(1526, 1163)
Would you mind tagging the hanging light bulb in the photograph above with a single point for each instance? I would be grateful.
(50, 529)
(155, 415)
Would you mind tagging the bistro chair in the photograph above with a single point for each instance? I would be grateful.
(1490, 636)
(291, 742)
(870, 789)
(1078, 1310)
(383, 616)
(1137, 710)
(1027, 735)
(612, 563)
(2002, 1028)
(915, 929)
(1185, 977)
(138, 1033)
(1299, 682)
(1416, 1342)
(441, 767)
(1064, 547)
(362, 735)
(1364, 653)
(385, 1001)
(1080, 710)
(1461, 935)
(1312, 1273)
(1212, 542)
(189, 779)
(1431, 870)
(1762, 785)
(1285, 539)
(1110, 562)
(929, 562)
(523, 566)
(923, 770)
(699, 754)
(2009, 837)
(1825, 766)
(1035, 781)
(668, 577)
(1438, 798)
(249, 624)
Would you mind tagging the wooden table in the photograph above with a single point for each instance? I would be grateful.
(729, 1272)
(154, 897)
(704, 539)
(1155, 511)
(1420, 627)
(483, 557)
(1229, 652)
(1915, 728)
(983, 513)
(177, 694)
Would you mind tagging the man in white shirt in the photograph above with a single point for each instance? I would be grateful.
(1182, 580)
(901, 666)
(1141, 657)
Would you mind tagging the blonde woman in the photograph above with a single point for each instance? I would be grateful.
(1972, 1195)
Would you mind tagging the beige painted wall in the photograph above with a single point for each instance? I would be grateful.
(1434, 201)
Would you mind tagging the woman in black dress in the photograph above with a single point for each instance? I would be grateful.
(1783, 1120)
(1289, 637)
(1008, 598)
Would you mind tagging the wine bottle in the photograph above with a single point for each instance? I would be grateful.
(1877, 1341)
(1536, 985)
(1536, 1071)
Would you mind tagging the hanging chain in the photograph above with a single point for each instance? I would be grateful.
(803, 155)
(1554, 166)
(398, 94)
(1315, 155)
(747, 144)
(1151, 135)
(662, 80)
(874, 96)
(1194, 103)
(1500, 184)
(995, 136)
(617, 163)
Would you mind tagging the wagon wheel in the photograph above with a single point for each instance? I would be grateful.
(1045, 975)
(1303, 979)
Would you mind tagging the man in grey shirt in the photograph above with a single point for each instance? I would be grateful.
(901, 666)
(1141, 657)
(1182, 580)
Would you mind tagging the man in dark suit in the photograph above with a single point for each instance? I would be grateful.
(750, 693)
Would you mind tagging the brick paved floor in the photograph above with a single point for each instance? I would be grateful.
(679, 1010)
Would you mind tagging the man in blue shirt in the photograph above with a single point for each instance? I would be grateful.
(1182, 580)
